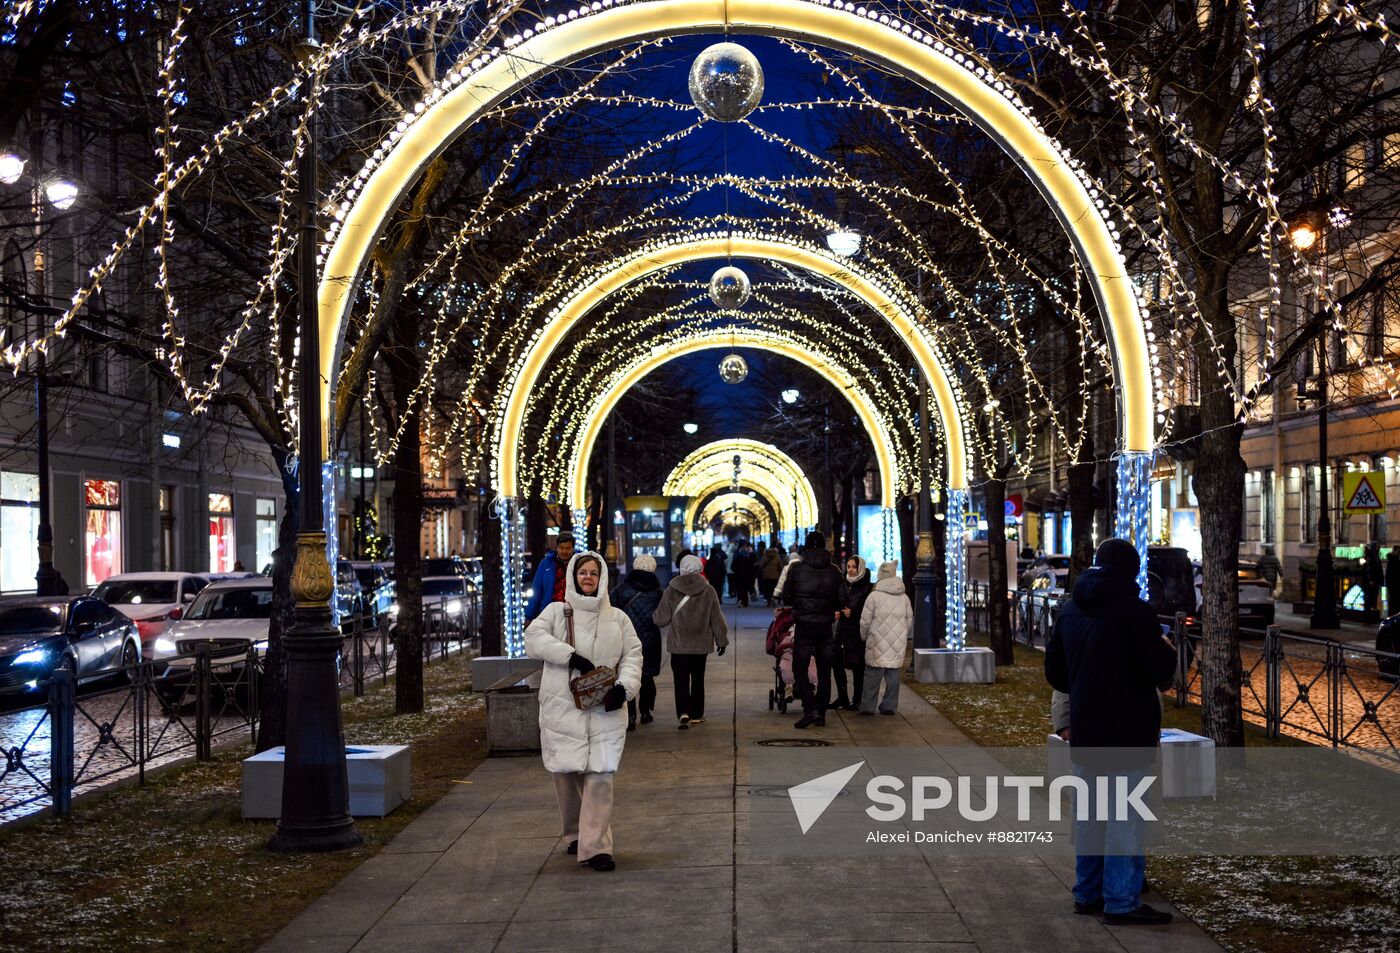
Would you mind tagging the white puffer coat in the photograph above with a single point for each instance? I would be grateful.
(885, 624)
(590, 740)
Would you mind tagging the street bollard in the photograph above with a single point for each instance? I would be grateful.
(61, 703)
(1273, 692)
(1183, 658)
(201, 702)
(252, 671)
(359, 671)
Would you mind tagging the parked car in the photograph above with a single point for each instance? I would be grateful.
(81, 634)
(1171, 583)
(442, 566)
(376, 590)
(1388, 640)
(153, 600)
(349, 595)
(1256, 599)
(457, 597)
(226, 616)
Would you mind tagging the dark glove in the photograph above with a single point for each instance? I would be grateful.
(614, 699)
(720, 650)
(580, 664)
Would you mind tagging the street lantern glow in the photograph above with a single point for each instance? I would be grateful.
(11, 168)
(690, 427)
(790, 395)
(61, 193)
(844, 242)
(1303, 236)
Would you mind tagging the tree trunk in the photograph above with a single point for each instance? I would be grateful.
(1081, 511)
(272, 688)
(405, 371)
(998, 605)
(1218, 479)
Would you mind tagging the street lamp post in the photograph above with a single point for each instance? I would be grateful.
(315, 791)
(925, 579)
(1324, 614)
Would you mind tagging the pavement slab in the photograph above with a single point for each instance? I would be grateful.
(484, 869)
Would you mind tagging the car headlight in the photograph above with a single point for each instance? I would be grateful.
(32, 657)
(454, 606)
(165, 645)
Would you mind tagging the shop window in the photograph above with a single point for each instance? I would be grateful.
(1266, 507)
(167, 528)
(102, 530)
(267, 532)
(19, 530)
(222, 554)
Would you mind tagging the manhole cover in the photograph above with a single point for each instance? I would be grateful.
(793, 743)
(784, 793)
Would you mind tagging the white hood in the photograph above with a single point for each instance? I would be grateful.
(578, 600)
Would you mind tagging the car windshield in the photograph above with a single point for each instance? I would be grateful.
(369, 578)
(21, 619)
(443, 587)
(441, 566)
(136, 591)
(233, 604)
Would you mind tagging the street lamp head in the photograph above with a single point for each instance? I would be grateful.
(844, 242)
(11, 168)
(690, 427)
(61, 193)
(790, 395)
(1303, 236)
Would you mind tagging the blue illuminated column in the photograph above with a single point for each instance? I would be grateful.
(955, 563)
(1134, 502)
(332, 523)
(512, 567)
(890, 546)
(580, 517)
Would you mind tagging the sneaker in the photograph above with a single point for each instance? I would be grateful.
(806, 720)
(851, 707)
(601, 862)
(1088, 909)
(573, 847)
(698, 719)
(685, 722)
(1143, 916)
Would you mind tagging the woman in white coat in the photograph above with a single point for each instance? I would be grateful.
(582, 748)
(886, 623)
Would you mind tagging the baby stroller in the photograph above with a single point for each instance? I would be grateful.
(779, 645)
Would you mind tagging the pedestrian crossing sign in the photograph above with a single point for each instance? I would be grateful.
(1364, 491)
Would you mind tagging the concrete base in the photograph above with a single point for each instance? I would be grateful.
(513, 714)
(1188, 762)
(973, 665)
(487, 670)
(379, 775)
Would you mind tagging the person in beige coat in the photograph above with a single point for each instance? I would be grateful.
(583, 747)
(885, 624)
(693, 619)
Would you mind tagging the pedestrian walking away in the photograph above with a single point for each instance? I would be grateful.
(638, 595)
(886, 625)
(849, 656)
(692, 618)
(717, 569)
(770, 567)
(1108, 653)
(816, 590)
(582, 747)
(743, 571)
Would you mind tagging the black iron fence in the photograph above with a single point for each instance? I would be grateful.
(156, 712)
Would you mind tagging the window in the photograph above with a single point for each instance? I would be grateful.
(266, 532)
(102, 534)
(12, 317)
(221, 543)
(1266, 506)
(167, 528)
(1353, 167)
(1311, 474)
(1390, 151)
(1341, 520)
(19, 530)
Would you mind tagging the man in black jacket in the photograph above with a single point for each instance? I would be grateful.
(816, 590)
(1109, 654)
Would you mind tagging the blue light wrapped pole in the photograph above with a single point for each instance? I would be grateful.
(955, 563)
(512, 568)
(1134, 502)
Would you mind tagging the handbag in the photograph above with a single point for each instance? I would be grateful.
(589, 688)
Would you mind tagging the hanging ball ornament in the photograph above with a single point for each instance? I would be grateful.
(730, 288)
(733, 369)
(726, 82)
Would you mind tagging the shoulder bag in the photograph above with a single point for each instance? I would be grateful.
(589, 688)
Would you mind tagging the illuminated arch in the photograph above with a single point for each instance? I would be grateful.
(760, 463)
(597, 414)
(744, 504)
(614, 277)
(770, 492)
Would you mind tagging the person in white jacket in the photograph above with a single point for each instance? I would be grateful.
(582, 747)
(885, 624)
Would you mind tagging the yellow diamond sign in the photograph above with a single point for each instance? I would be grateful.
(1364, 491)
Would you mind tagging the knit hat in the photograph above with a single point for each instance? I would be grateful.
(816, 540)
(887, 571)
(691, 564)
(645, 563)
(1118, 557)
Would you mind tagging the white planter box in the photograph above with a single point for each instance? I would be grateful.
(379, 777)
(973, 665)
(1188, 762)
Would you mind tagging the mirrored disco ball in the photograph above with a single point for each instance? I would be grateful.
(726, 82)
(729, 287)
(733, 369)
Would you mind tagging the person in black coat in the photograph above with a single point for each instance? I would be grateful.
(1108, 653)
(816, 590)
(850, 650)
(743, 570)
(638, 595)
(716, 569)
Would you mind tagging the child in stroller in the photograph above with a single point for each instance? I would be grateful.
(781, 634)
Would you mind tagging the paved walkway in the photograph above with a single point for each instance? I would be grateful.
(483, 869)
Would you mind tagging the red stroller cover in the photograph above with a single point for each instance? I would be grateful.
(782, 621)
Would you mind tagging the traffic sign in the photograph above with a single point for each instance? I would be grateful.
(1364, 491)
